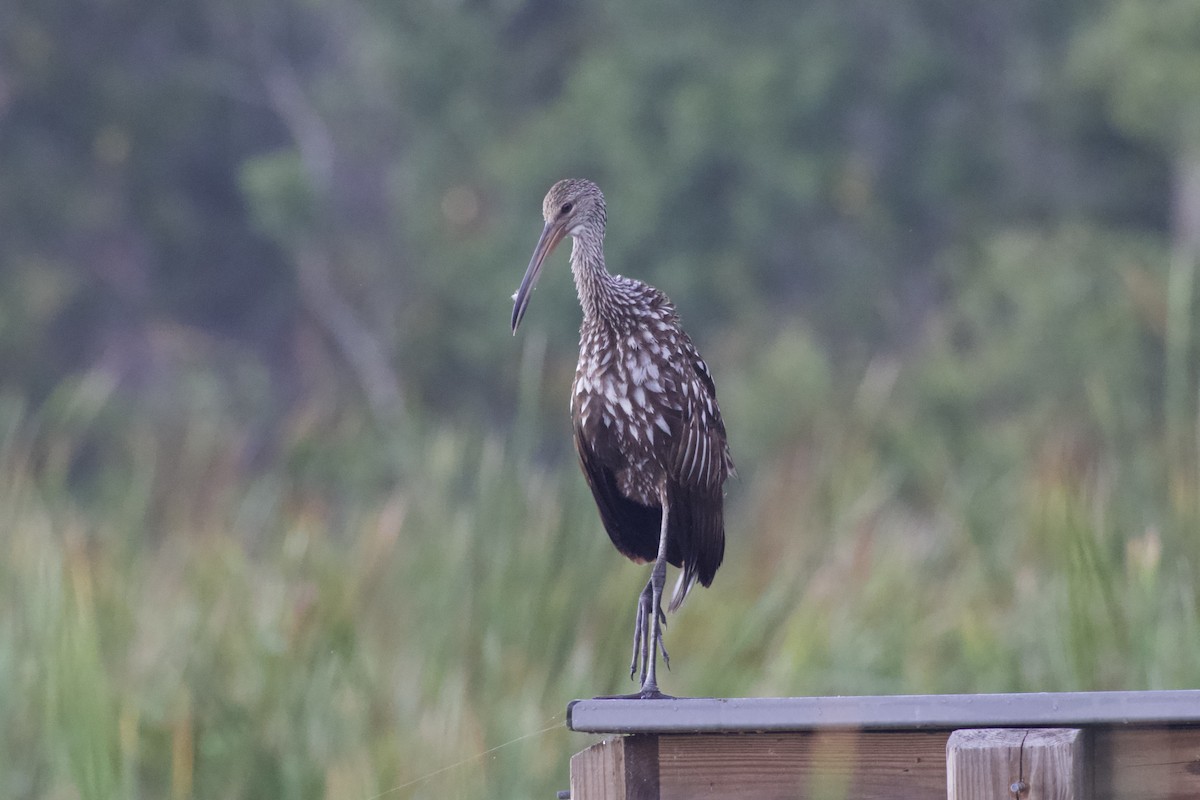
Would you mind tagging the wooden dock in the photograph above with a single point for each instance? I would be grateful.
(1067, 746)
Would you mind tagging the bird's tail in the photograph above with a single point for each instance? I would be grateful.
(697, 527)
(687, 577)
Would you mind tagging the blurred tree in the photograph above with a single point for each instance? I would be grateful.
(117, 195)
(327, 192)
(1145, 61)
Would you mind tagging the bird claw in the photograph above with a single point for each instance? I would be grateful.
(643, 694)
(641, 653)
(647, 637)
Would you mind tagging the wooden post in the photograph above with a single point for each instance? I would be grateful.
(622, 768)
(1017, 764)
(1038, 746)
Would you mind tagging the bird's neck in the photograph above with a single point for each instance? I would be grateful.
(593, 281)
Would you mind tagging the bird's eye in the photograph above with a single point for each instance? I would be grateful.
(566, 208)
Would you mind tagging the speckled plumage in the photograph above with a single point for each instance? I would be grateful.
(647, 428)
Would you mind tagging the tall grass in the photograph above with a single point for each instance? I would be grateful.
(177, 621)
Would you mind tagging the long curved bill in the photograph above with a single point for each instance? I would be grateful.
(552, 234)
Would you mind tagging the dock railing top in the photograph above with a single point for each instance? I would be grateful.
(900, 712)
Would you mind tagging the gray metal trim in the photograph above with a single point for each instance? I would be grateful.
(912, 712)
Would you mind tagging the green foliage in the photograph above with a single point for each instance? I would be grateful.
(1080, 308)
(281, 632)
(278, 193)
(1147, 62)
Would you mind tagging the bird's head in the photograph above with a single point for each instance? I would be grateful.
(572, 207)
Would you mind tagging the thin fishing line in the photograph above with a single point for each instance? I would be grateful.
(553, 723)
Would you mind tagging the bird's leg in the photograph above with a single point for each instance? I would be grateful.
(651, 615)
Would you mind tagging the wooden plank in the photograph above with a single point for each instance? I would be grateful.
(598, 773)
(901, 712)
(838, 764)
(1146, 763)
(624, 768)
(1128, 763)
(1031, 764)
(642, 767)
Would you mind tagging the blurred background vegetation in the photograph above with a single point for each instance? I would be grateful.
(287, 512)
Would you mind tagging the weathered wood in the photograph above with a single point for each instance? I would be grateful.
(598, 773)
(624, 768)
(865, 766)
(1146, 763)
(1134, 746)
(1030, 764)
(841, 764)
(1128, 763)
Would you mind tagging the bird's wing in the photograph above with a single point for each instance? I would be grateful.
(702, 459)
(698, 469)
(633, 527)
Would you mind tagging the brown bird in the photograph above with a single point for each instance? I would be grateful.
(648, 432)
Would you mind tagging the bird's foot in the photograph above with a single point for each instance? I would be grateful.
(644, 694)
(662, 647)
(647, 635)
(641, 637)
(648, 640)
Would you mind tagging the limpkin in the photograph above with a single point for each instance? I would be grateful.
(647, 429)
